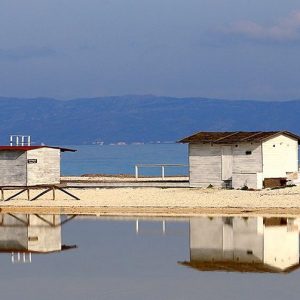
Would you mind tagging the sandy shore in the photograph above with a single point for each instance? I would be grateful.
(159, 201)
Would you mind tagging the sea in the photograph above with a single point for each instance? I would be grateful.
(114, 159)
(121, 159)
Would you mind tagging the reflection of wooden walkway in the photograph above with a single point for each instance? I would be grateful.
(26, 220)
(46, 189)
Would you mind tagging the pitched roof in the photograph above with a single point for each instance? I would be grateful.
(22, 249)
(232, 266)
(230, 137)
(28, 148)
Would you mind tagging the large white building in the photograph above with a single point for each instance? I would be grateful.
(242, 159)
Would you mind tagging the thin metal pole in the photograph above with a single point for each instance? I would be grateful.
(162, 172)
(136, 172)
(28, 140)
(137, 226)
(22, 140)
(164, 226)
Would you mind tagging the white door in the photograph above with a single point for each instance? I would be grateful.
(226, 162)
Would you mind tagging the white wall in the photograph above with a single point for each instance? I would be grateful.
(205, 165)
(248, 239)
(207, 239)
(251, 180)
(243, 163)
(12, 168)
(13, 232)
(282, 158)
(281, 247)
(43, 237)
(226, 239)
(47, 168)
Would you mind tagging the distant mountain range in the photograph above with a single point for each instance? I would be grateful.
(144, 119)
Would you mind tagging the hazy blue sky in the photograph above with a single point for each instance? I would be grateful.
(235, 49)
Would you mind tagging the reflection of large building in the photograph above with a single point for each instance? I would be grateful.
(26, 234)
(252, 244)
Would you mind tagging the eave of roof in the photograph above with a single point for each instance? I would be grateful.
(28, 148)
(231, 137)
(24, 250)
(231, 266)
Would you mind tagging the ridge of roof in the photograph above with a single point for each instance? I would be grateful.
(235, 136)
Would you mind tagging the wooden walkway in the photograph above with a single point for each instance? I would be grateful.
(128, 184)
(27, 189)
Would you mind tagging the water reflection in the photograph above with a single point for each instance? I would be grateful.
(244, 244)
(218, 243)
(22, 234)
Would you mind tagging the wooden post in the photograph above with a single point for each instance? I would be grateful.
(53, 192)
(28, 194)
(2, 194)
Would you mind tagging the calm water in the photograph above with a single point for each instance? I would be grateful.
(228, 258)
(122, 159)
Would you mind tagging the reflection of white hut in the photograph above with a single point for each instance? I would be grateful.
(20, 233)
(253, 244)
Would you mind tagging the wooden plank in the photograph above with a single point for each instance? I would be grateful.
(41, 194)
(15, 195)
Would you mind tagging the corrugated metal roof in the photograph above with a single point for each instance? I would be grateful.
(28, 148)
(231, 137)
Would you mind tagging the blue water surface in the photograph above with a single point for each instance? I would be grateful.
(94, 159)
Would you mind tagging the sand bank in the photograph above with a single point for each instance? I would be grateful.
(158, 201)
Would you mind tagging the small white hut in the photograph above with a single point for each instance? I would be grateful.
(30, 165)
(242, 159)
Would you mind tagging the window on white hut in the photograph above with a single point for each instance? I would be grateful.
(248, 152)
